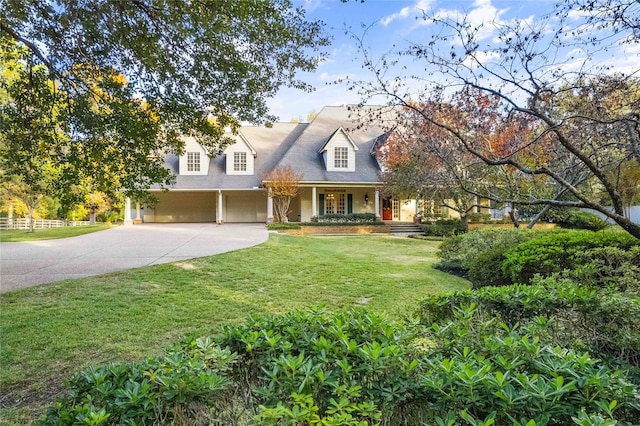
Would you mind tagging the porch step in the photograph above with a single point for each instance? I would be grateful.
(404, 228)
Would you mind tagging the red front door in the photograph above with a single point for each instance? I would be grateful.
(387, 212)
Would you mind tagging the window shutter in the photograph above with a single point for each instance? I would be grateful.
(349, 203)
(321, 204)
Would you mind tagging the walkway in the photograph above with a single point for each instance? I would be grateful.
(31, 263)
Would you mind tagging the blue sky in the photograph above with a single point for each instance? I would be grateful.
(395, 23)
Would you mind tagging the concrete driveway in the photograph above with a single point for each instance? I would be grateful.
(31, 263)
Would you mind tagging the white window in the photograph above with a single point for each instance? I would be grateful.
(239, 161)
(341, 157)
(193, 161)
(396, 209)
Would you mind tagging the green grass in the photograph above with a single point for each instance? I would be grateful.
(50, 331)
(19, 235)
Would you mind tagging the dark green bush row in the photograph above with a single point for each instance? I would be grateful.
(346, 218)
(298, 225)
(281, 226)
(443, 228)
(478, 217)
(378, 223)
(359, 368)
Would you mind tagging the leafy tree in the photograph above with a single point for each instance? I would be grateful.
(283, 184)
(420, 160)
(128, 78)
(585, 115)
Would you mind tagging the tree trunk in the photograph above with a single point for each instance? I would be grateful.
(537, 217)
(514, 219)
(464, 221)
(92, 217)
(31, 224)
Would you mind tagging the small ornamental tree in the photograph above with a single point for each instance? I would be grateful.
(283, 184)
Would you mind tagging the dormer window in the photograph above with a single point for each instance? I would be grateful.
(239, 161)
(193, 161)
(341, 157)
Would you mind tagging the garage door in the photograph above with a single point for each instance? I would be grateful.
(246, 207)
(186, 207)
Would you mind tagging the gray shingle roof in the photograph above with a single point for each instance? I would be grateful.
(294, 145)
(304, 157)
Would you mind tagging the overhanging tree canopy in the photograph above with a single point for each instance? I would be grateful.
(137, 74)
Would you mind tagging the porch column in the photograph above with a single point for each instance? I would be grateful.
(219, 218)
(376, 206)
(314, 207)
(269, 207)
(127, 212)
(138, 215)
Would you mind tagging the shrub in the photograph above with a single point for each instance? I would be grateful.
(514, 379)
(349, 218)
(109, 216)
(159, 390)
(486, 269)
(478, 217)
(355, 368)
(607, 267)
(442, 229)
(604, 321)
(558, 251)
(578, 219)
(283, 225)
(466, 248)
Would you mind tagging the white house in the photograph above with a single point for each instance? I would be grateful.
(337, 160)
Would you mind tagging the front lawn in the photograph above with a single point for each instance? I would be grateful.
(50, 331)
(19, 235)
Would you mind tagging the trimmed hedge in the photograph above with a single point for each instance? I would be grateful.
(578, 219)
(558, 251)
(346, 218)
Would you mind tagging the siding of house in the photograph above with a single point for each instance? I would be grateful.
(339, 140)
(240, 147)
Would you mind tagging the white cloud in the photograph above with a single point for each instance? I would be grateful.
(414, 11)
(311, 5)
(481, 57)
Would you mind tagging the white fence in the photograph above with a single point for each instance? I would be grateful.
(23, 223)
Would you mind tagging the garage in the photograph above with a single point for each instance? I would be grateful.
(177, 206)
(245, 206)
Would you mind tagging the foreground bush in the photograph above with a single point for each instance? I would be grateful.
(605, 322)
(358, 368)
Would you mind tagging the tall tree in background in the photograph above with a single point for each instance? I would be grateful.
(131, 77)
(585, 115)
(283, 184)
